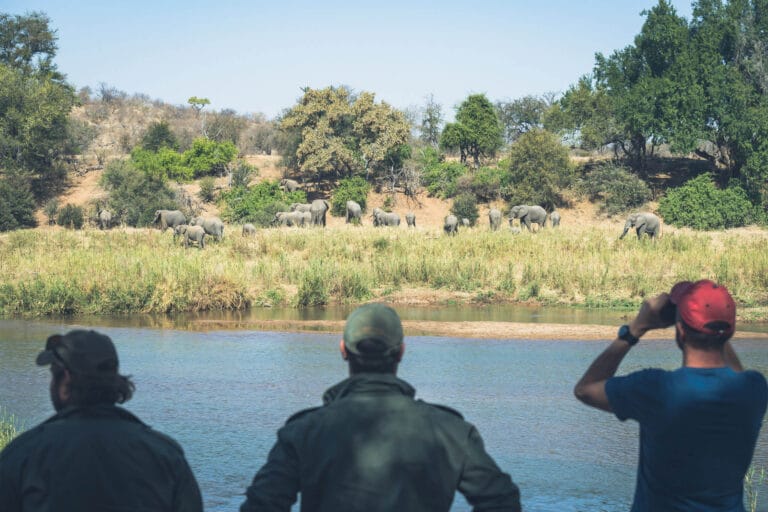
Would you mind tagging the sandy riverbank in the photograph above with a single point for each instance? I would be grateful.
(485, 330)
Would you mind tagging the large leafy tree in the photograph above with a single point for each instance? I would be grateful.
(477, 132)
(34, 104)
(650, 83)
(521, 115)
(539, 169)
(332, 133)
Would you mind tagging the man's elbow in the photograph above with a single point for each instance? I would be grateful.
(581, 394)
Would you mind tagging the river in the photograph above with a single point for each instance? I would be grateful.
(223, 395)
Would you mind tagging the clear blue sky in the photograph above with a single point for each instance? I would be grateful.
(255, 56)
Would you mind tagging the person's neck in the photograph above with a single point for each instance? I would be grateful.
(696, 358)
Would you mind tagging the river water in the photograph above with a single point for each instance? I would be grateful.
(223, 395)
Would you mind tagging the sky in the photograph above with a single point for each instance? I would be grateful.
(255, 56)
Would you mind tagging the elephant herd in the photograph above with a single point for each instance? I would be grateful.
(314, 214)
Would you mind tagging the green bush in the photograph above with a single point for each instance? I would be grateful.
(71, 217)
(133, 195)
(465, 207)
(241, 174)
(17, 204)
(488, 183)
(539, 169)
(439, 177)
(699, 204)
(258, 204)
(615, 189)
(350, 189)
(159, 135)
(162, 164)
(50, 209)
(207, 186)
(208, 157)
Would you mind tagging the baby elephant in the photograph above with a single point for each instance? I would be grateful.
(451, 225)
(410, 219)
(195, 234)
(554, 219)
(249, 230)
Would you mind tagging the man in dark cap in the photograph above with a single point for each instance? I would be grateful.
(93, 455)
(372, 446)
(699, 423)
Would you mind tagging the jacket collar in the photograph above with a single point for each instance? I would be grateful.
(368, 383)
(93, 411)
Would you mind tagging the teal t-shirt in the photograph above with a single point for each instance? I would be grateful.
(698, 429)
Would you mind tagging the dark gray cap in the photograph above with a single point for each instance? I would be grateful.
(81, 352)
(377, 326)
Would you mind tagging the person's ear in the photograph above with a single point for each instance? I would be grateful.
(343, 350)
(401, 352)
(64, 391)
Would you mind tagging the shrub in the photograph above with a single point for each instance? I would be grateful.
(207, 186)
(539, 169)
(465, 207)
(350, 189)
(241, 174)
(80, 134)
(71, 217)
(258, 204)
(208, 157)
(162, 164)
(439, 177)
(50, 209)
(615, 188)
(488, 183)
(17, 204)
(159, 135)
(133, 195)
(699, 204)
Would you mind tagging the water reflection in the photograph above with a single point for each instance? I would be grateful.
(223, 395)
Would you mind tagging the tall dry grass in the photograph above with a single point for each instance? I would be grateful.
(47, 272)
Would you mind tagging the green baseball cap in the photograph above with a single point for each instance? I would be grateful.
(373, 330)
(82, 352)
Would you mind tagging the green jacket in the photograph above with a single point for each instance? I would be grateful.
(373, 447)
(96, 458)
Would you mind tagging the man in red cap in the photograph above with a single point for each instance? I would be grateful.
(699, 423)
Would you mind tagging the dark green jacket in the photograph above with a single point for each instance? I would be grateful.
(98, 458)
(373, 447)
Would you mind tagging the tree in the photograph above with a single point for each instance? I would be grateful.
(539, 169)
(477, 132)
(431, 122)
(28, 45)
(520, 115)
(134, 195)
(198, 104)
(34, 104)
(333, 133)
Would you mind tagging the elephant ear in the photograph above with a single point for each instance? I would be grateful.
(523, 211)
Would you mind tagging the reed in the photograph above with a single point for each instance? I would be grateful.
(55, 272)
(8, 428)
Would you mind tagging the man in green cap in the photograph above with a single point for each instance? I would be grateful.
(93, 455)
(372, 446)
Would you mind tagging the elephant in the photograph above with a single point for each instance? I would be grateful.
(554, 218)
(382, 218)
(643, 222)
(354, 212)
(105, 219)
(194, 234)
(318, 210)
(494, 218)
(410, 219)
(528, 215)
(465, 222)
(451, 224)
(169, 219)
(306, 219)
(300, 207)
(290, 218)
(289, 185)
(212, 226)
(249, 230)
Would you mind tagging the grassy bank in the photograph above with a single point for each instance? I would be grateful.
(52, 272)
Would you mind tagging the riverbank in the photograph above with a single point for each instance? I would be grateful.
(48, 272)
(480, 330)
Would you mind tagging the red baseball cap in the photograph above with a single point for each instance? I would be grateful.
(705, 306)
